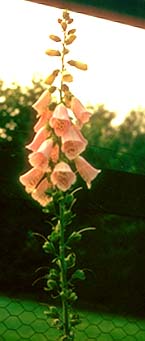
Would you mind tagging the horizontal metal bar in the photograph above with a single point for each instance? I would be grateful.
(127, 12)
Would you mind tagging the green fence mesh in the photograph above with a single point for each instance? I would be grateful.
(23, 319)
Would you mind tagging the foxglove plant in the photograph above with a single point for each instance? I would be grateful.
(55, 159)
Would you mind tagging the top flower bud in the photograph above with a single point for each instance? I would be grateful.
(66, 15)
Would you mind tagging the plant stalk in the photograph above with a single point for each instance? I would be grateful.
(65, 312)
(62, 63)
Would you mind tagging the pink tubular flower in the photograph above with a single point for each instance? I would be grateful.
(60, 120)
(42, 103)
(39, 159)
(54, 156)
(39, 193)
(87, 172)
(44, 118)
(40, 136)
(79, 111)
(31, 179)
(62, 176)
(73, 142)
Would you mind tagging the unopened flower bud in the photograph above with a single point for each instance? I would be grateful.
(78, 64)
(63, 25)
(52, 89)
(67, 77)
(70, 40)
(70, 21)
(72, 31)
(53, 53)
(54, 38)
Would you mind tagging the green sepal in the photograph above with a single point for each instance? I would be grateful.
(75, 320)
(57, 196)
(48, 247)
(75, 236)
(53, 274)
(56, 323)
(70, 260)
(50, 207)
(51, 284)
(68, 338)
(52, 312)
(65, 338)
(58, 262)
(68, 216)
(68, 199)
(55, 235)
(63, 294)
(72, 297)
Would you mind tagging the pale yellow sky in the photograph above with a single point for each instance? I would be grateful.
(115, 54)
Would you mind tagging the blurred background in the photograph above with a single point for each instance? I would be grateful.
(113, 91)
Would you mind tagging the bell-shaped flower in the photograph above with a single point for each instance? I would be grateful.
(40, 158)
(79, 111)
(86, 171)
(39, 194)
(73, 142)
(62, 176)
(54, 156)
(43, 120)
(31, 179)
(39, 137)
(60, 120)
(42, 103)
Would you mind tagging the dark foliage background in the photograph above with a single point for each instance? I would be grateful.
(114, 254)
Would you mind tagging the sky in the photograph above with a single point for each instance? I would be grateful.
(115, 54)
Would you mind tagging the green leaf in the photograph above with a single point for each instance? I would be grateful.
(78, 274)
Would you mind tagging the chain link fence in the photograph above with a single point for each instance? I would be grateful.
(23, 319)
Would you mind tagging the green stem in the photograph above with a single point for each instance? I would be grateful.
(65, 312)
